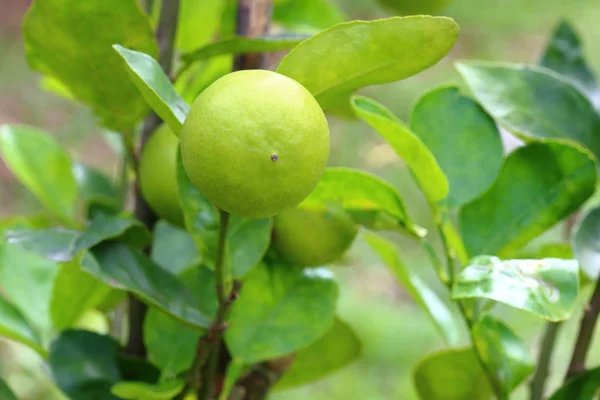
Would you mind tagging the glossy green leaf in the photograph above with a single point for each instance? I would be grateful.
(147, 391)
(155, 86)
(539, 185)
(247, 242)
(586, 243)
(173, 248)
(460, 135)
(73, 45)
(425, 297)
(584, 386)
(307, 15)
(504, 353)
(56, 244)
(84, 365)
(547, 288)
(281, 309)
(337, 348)
(370, 200)
(198, 21)
(171, 345)
(105, 226)
(564, 54)
(200, 280)
(452, 375)
(95, 187)
(13, 325)
(75, 292)
(42, 166)
(349, 56)
(5, 392)
(534, 102)
(125, 268)
(409, 147)
(244, 45)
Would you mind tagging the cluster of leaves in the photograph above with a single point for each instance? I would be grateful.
(86, 252)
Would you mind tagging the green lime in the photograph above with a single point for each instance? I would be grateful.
(158, 175)
(255, 143)
(312, 236)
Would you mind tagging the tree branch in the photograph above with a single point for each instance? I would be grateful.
(165, 36)
(586, 333)
(537, 386)
(253, 20)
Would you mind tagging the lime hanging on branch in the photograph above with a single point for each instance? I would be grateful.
(255, 143)
(415, 7)
(158, 175)
(312, 237)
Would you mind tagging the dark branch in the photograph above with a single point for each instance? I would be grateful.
(253, 20)
(538, 382)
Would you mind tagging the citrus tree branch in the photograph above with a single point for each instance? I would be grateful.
(538, 382)
(165, 36)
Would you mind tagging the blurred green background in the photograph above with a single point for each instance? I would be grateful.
(394, 331)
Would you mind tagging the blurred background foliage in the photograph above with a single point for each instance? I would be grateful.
(394, 331)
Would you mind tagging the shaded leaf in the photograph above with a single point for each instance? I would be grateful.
(244, 45)
(337, 348)
(137, 369)
(173, 248)
(95, 187)
(103, 227)
(539, 185)
(460, 135)
(370, 200)
(84, 365)
(349, 56)
(586, 243)
(307, 15)
(56, 244)
(547, 288)
(534, 102)
(70, 42)
(125, 268)
(13, 325)
(584, 386)
(147, 391)
(5, 392)
(247, 242)
(458, 366)
(42, 166)
(155, 86)
(426, 298)
(409, 147)
(503, 352)
(281, 309)
(171, 345)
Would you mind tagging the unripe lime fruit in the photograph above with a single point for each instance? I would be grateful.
(413, 7)
(255, 143)
(158, 175)
(312, 237)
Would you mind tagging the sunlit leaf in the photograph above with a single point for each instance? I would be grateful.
(539, 185)
(307, 15)
(173, 248)
(56, 244)
(13, 325)
(409, 147)
(198, 21)
(547, 288)
(72, 43)
(349, 56)
(94, 187)
(146, 391)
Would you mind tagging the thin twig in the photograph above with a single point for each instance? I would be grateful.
(585, 335)
(537, 386)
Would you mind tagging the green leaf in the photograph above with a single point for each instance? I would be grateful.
(370, 200)
(94, 187)
(584, 386)
(42, 166)
(137, 369)
(307, 15)
(586, 243)
(147, 391)
(104, 227)
(125, 268)
(425, 297)
(198, 21)
(171, 345)
(173, 248)
(56, 244)
(539, 185)
(547, 288)
(460, 135)
(72, 43)
(337, 348)
(243, 45)
(409, 147)
(13, 325)
(84, 365)
(75, 292)
(453, 374)
(534, 102)
(349, 56)
(5, 392)
(247, 242)
(503, 352)
(155, 86)
(192, 81)
(564, 54)
(281, 309)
